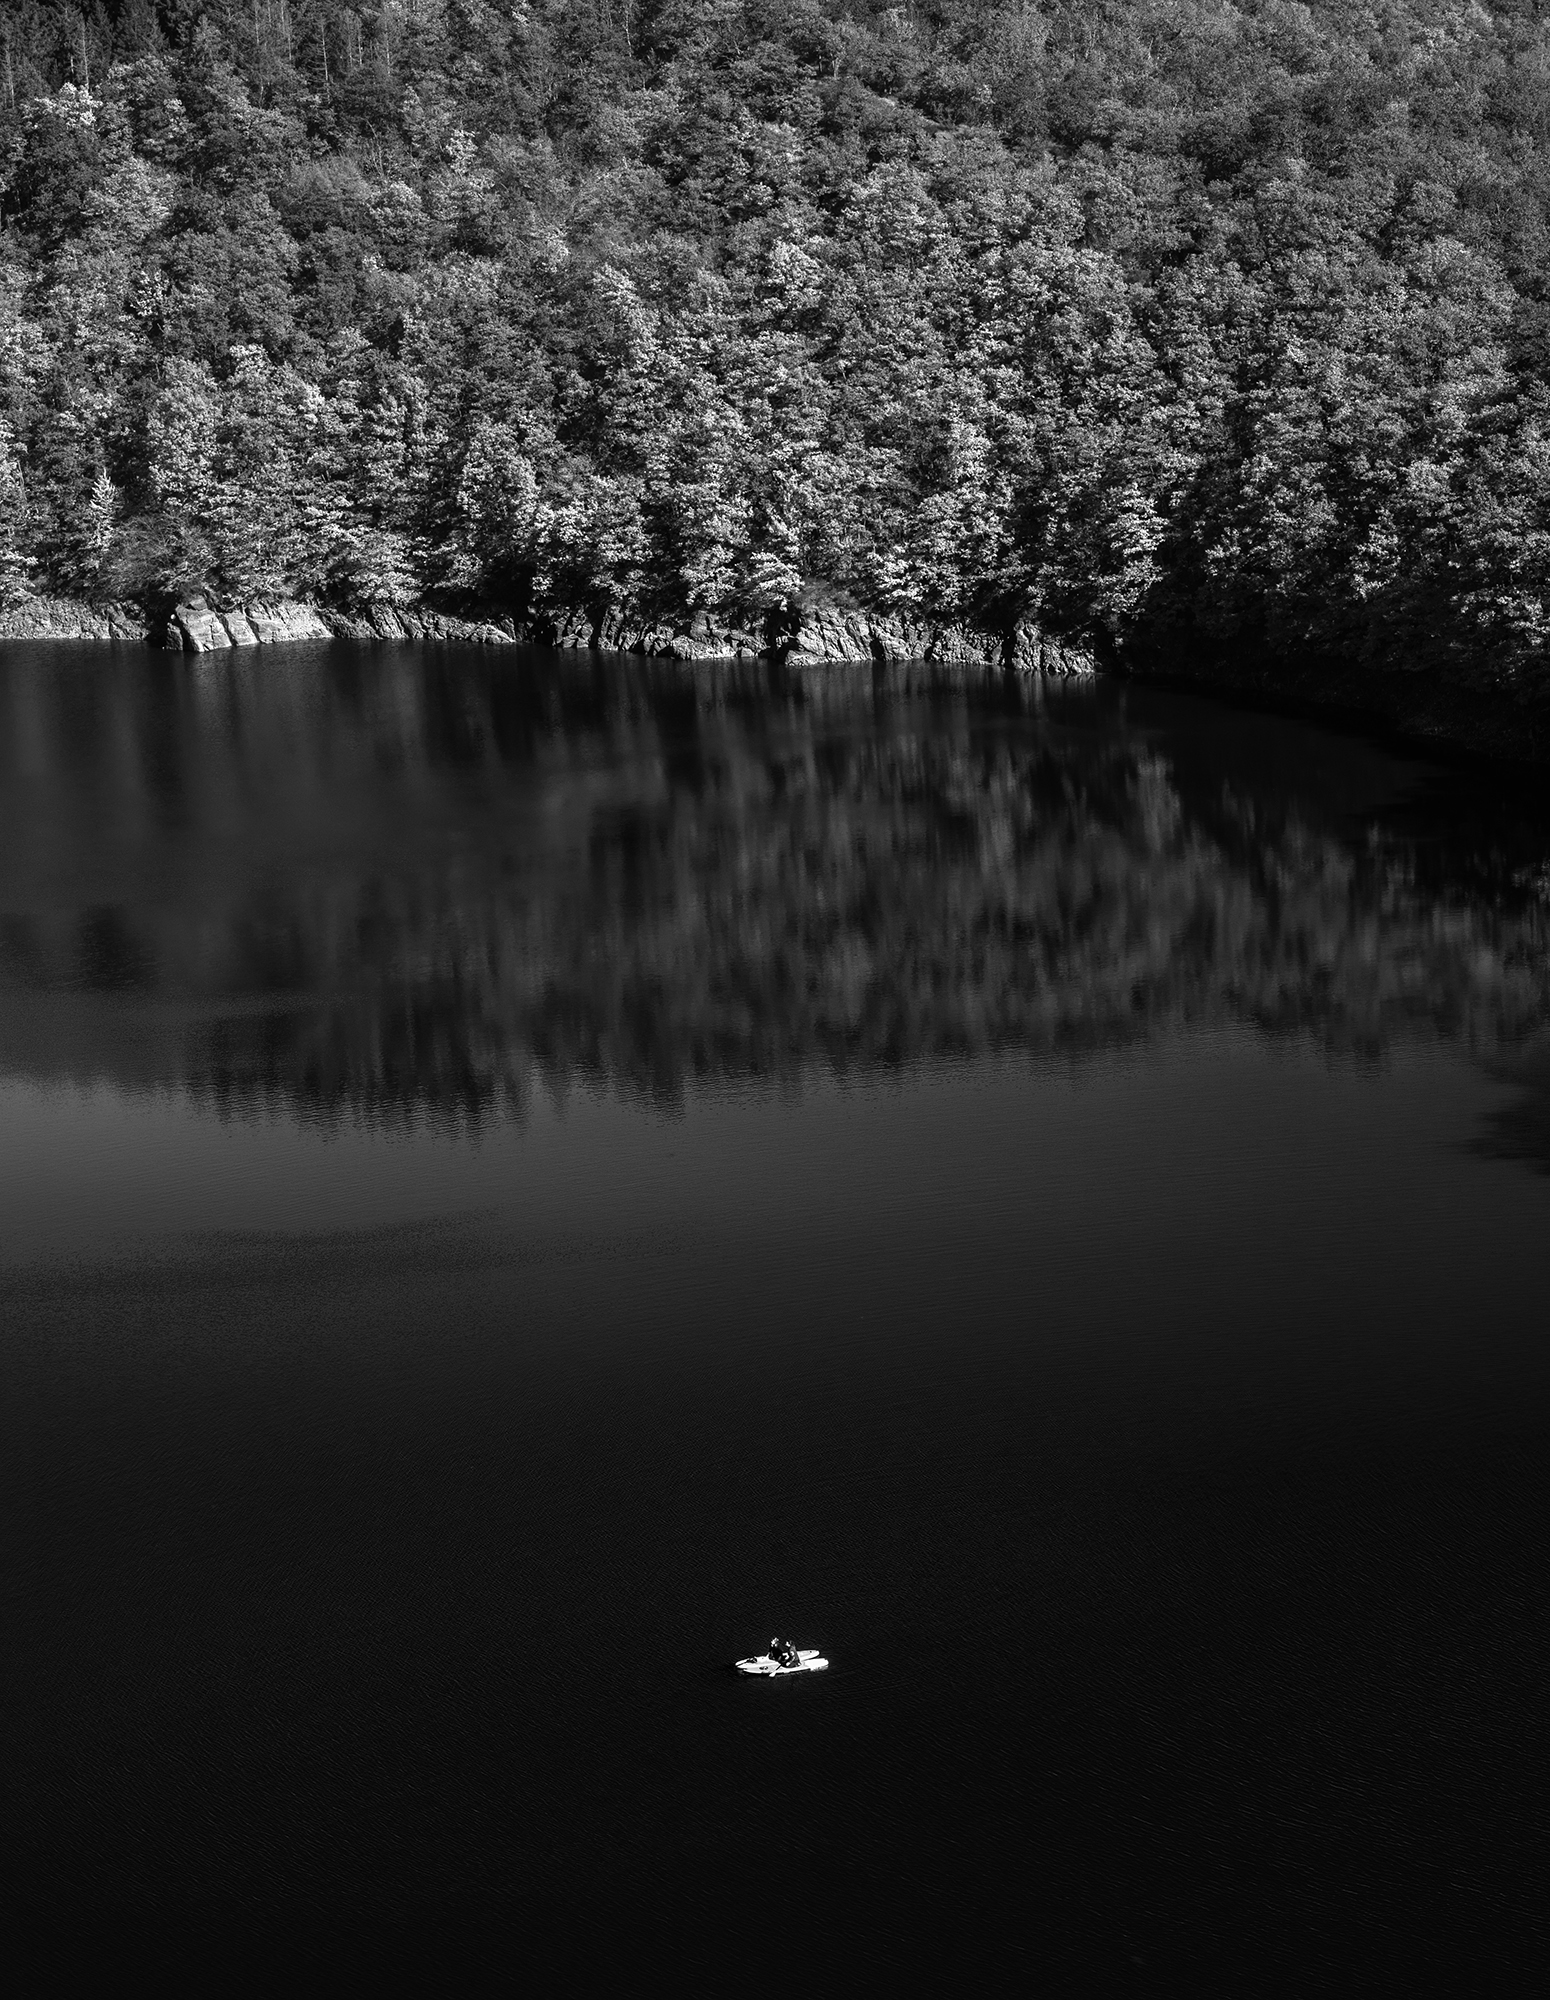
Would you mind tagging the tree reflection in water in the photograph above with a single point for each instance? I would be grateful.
(404, 883)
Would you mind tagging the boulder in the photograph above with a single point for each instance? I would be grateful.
(199, 627)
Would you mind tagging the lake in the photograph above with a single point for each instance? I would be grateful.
(522, 1175)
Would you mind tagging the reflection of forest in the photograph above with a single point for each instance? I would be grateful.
(397, 882)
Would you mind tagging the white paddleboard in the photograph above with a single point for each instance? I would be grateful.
(810, 1661)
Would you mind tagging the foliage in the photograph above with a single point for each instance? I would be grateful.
(1189, 321)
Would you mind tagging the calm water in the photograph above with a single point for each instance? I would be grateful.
(520, 1177)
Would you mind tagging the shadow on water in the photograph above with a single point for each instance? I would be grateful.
(406, 883)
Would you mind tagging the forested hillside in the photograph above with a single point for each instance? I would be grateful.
(1175, 322)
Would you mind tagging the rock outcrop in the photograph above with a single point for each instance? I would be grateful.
(284, 622)
(238, 629)
(384, 621)
(63, 618)
(823, 634)
(702, 638)
(195, 627)
(813, 636)
(1030, 651)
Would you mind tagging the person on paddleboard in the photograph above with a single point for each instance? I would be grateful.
(784, 1654)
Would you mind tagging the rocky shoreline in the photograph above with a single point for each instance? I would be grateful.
(812, 636)
(1501, 717)
(65, 618)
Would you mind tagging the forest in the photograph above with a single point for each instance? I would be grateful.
(1180, 326)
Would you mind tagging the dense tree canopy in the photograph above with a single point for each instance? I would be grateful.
(1170, 319)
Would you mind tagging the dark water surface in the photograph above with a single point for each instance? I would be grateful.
(520, 1177)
